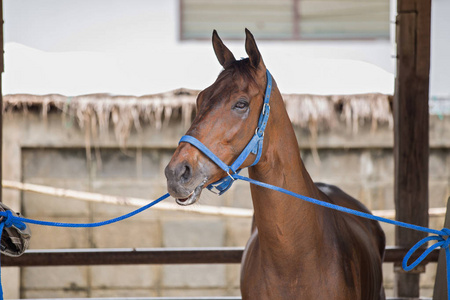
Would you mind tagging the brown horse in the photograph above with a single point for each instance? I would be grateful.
(296, 250)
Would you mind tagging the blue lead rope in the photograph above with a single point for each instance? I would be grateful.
(440, 236)
(9, 219)
(255, 146)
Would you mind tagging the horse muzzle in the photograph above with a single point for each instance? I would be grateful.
(185, 181)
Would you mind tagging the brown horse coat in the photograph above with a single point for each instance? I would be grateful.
(296, 250)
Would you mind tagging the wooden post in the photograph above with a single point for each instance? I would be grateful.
(411, 129)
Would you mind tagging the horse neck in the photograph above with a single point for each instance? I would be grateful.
(284, 223)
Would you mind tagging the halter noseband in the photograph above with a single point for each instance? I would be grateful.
(254, 146)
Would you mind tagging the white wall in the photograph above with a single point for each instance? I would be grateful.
(132, 47)
(440, 49)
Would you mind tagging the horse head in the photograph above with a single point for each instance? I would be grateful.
(226, 119)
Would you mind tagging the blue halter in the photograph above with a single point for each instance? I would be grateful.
(254, 146)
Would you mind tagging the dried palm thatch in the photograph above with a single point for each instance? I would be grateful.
(95, 113)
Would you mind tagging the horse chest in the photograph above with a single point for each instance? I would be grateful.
(260, 279)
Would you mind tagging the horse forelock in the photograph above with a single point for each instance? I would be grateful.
(239, 70)
(238, 75)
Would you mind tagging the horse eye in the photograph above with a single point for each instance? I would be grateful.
(241, 104)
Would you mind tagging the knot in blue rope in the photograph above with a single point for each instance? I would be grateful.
(9, 219)
(442, 240)
(446, 238)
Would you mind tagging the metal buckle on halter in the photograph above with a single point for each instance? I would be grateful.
(264, 108)
(257, 133)
(228, 172)
(221, 186)
(213, 189)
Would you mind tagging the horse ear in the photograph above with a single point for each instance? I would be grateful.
(253, 52)
(223, 54)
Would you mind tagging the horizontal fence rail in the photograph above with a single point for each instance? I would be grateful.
(139, 202)
(141, 256)
(130, 256)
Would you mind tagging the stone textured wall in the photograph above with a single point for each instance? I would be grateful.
(52, 152)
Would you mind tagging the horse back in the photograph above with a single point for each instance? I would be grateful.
(358, 239)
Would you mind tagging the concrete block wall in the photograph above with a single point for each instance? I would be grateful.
(50, 154)
(120, 175)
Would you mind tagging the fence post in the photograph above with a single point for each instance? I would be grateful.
(411, 129)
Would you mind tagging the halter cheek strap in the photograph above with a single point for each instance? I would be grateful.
(254, 146)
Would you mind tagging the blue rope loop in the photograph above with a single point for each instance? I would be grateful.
(442, 241)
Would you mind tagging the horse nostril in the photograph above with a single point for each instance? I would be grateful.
(181, 172)
(186, 173)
